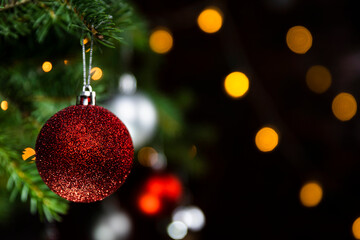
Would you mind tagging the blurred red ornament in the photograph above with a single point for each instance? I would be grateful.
(172, 188)
(166, 189)
(165, 186)
(84, 153)
(155, 185)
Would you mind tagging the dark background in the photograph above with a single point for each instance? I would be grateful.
(244, 193)
(248, 194)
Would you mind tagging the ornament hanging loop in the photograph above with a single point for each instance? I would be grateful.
(87, 87)
(87, 96)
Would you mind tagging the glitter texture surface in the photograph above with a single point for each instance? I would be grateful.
(84, 153)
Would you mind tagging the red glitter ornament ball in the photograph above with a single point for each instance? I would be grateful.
(84, 153)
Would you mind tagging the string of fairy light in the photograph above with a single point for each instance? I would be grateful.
(236, 84)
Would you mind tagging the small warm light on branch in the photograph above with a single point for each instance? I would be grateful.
(66, 62)
(96, 73)
(210, 20)
(161, 41)
(46, 66)
(344, 106)
(311, 194)
(236, 84)
(27, 153)
(266, 139)
(299, 39)
(4, 105)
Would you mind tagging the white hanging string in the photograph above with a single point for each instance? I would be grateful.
(90, 59)
(86, 84)
(84, 62)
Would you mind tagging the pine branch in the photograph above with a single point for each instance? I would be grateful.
(103, 19)
(25, 181)
(13, 4)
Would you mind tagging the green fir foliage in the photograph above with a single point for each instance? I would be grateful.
(104, 19)
(25, 183)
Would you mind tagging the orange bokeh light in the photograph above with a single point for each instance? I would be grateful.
(299, 39)
(161, 40)
(46, 66)
(311, 194)
(149, 203)
(266, 139)
(356, 228)
(318, 79)
(210, 20)
(4, 105)
(344, 106)
(236, 84)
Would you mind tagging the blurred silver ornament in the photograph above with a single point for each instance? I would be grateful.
(135, 110)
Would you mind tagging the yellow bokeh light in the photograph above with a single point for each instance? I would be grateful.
(210, 20)
(299, 39)
(46, 66)
(96, 73)
(148, 156)
(4, 105)
(27, 153)
(356, 228)
(344, 106)
(318, 79)
(66, 62)
(236, 84)
(266, 139)
(161, 41)
(311, 194)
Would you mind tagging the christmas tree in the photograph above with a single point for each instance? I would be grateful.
(242, 114)
(42, 68)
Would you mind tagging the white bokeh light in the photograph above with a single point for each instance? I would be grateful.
(114, 226)
(160, 163)
(191, 216)
(104, 232)
(127, 83)
(138, 114)
(177, 230)
(135, 110)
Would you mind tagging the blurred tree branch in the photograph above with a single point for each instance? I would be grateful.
(12, 4)
(104, 19)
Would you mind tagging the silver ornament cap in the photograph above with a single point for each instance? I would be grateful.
(86, 97)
